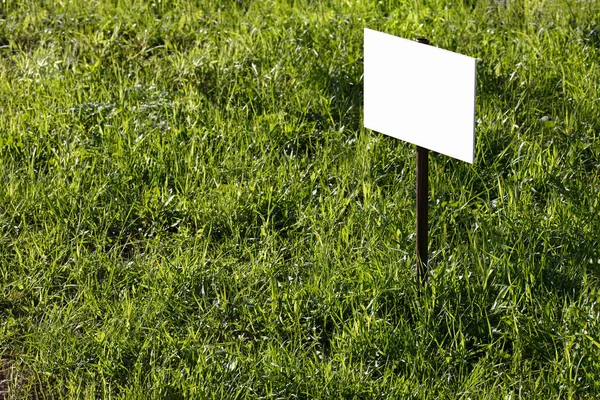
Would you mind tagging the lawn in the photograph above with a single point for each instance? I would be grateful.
(190, 206)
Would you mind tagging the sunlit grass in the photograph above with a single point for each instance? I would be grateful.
(190, 207)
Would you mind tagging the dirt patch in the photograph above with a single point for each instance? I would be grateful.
(9, 387)
(4, 376)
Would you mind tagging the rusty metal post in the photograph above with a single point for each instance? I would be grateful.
(422, 207)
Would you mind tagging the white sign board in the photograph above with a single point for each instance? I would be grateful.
(419, 93)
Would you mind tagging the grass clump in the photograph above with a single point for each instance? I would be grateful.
(190, 207)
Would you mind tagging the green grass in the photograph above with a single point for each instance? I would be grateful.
(190, 207)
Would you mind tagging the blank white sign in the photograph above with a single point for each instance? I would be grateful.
(419, 93)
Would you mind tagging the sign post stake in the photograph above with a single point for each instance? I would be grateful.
(422, 207)
(422, 212)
